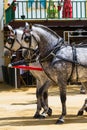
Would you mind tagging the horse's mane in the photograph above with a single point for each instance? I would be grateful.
(47, 29)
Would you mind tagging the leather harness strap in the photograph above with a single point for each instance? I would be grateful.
(74, 66)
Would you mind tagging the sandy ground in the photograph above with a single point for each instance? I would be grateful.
(17, 107)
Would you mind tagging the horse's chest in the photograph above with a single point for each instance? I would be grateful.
(54, 71)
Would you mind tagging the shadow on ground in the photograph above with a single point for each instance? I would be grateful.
(29, 121)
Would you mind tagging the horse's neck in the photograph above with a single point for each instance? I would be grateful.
(47, 41)
(47, 47)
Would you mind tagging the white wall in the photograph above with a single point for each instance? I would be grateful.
(1, 39)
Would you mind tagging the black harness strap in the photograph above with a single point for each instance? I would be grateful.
(7, 48)
(74, 65)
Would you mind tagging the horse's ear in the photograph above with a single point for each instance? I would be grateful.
(10, 28)
(26, 25)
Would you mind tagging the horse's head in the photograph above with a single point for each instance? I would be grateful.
(13, 42)
(40, 37)
(28, 41)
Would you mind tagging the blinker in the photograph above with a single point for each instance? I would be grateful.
(27, 39)
(10, 40)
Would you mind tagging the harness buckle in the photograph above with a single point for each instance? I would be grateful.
(53, 54)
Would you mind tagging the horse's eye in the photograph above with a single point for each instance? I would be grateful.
(10, 40)
(27, 39)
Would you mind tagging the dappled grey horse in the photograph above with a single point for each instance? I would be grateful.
(14, 43)
(61, 62)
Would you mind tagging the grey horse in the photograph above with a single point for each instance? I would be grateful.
(14, 43)
(62, 63)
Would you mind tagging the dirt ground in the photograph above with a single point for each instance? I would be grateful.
(17, 107)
